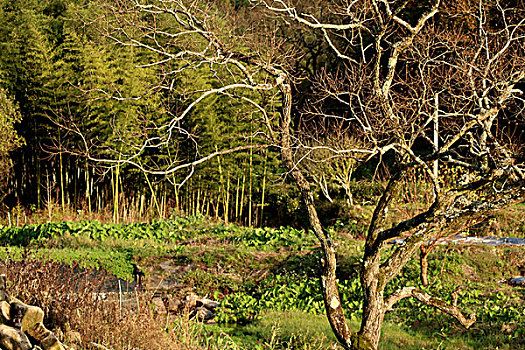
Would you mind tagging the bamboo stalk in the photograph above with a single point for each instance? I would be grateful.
(116, 194)
(124, 212)
(187, 204)
(61, 169)
(222, 189)
(227, 200)
(49, 200)
(89, 188)
(216, 207)
(142, 204)
(99, 197)
(67, 186)
(75, 187)
(38, 185)
(242, 192)
(237, 193)
(192, 201)
(250, 204)
(263, 186)
(203, 203)
(163, 203)
(208, 205)
(198, 211)
(113, 191)
(177, 198)
(153, 193)
(38, 170)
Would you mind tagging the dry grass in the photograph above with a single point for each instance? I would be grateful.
(70, 297)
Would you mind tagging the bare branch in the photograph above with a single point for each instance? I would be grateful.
(427, 299)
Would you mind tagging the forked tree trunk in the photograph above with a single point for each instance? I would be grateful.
(329, 285)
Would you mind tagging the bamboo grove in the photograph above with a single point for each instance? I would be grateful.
(58, 70)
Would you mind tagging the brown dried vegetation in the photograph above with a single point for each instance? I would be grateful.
(80, 311)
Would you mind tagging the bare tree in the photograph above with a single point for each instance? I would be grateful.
(402, 67)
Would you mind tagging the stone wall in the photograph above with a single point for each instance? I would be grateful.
(21, 325)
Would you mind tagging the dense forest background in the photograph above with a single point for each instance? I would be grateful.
(58, 71)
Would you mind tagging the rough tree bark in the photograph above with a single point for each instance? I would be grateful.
(424, 251)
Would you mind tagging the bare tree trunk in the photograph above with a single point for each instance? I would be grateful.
(373, 316)
(373, 303)
(329, 285)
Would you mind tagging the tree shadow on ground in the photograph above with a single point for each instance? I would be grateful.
(308, 264)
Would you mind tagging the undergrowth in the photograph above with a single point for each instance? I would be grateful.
(258, 274)
(73, 300)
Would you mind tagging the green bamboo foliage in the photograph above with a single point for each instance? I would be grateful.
(57, 69)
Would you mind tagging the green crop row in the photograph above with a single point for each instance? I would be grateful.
(27, 234)
(269, 238)
(174, 230)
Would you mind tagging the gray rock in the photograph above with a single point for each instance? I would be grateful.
(517, 281)
(210, 304)
(204, 314)
(13, 339)
(25, 319)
